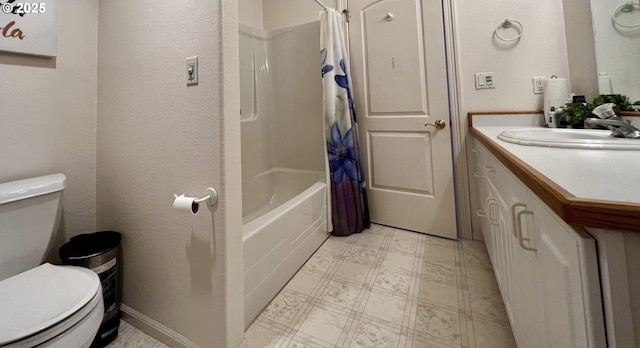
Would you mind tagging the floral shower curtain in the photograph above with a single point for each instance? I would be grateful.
(348, 197)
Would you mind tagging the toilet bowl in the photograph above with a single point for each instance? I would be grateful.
(41, 305)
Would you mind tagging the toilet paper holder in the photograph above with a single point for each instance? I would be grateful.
(211, 197)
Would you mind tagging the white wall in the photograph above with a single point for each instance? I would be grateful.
(156, 137)
(540, 52)
(286, 13)
(250, 13)
(48, 115)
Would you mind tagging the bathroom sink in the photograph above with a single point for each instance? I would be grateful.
(592, 139)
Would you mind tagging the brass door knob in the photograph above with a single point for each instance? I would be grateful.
(438, 124)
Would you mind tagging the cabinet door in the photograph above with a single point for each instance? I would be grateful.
(482, 205)
(493, 239)
(526, 326)
(479, 194)
(504, 256)
(568, 284)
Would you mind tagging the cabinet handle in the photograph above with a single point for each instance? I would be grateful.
(491, 202)
(489, 169)
(487, 204)
(489, 199)
(478, 175)
(521, 239)
(513, 217)
(481, 213)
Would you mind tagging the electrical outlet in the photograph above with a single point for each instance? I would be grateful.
(538, 84)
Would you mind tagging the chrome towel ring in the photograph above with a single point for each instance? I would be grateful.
(625, 8)
(509, 23)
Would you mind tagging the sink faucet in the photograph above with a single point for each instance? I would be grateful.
(608, 118)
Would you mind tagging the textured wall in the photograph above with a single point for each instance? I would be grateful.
(284, 13)
(48, 115)
(540, 52)
(156, 137)
(250, 13)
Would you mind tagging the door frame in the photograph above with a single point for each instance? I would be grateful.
(458, 122)
(459, 129)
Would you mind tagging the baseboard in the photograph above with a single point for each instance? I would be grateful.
(155, 329)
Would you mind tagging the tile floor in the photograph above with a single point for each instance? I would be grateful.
(381, 288)
(130, 337)
(388, 288)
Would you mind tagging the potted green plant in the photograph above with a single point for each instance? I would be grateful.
(622, 102)
(574, 114)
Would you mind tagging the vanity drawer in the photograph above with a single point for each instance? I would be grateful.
(488, 163)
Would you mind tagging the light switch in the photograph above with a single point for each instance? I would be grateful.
(484, 80)
(192, 70)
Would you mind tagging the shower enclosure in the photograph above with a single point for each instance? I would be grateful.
(283, 163)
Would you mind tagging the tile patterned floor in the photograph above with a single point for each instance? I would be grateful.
(130, 337)
(381, 288)
(388, 288)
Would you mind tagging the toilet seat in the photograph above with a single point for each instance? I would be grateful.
(44, 302)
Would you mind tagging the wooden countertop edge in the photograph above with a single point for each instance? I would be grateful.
(576, 211)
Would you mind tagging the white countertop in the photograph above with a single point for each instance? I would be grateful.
(608, 175)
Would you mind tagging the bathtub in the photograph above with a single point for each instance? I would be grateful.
(284, 222)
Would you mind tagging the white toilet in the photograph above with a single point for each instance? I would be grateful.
(41, 305)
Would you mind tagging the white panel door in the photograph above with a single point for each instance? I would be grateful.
(399, 72)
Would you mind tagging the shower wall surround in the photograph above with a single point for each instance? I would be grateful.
(281, 99)
(283, 189)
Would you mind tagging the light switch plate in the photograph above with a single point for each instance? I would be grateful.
(192, 70)
(484, 80)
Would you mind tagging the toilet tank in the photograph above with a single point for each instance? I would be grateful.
(29, 216)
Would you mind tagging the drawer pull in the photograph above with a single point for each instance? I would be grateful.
(521, 239)
(513, 217)
(489, 169)
(481, 213)
(478, 175)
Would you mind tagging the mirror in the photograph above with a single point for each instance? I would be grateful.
(607, 61)
(616, 31)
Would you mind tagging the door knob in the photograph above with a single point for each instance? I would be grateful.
(438, 124)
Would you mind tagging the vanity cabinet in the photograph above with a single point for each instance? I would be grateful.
(547, 271)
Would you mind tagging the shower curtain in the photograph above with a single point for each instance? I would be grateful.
(347, 196)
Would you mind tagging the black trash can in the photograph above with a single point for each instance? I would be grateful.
(100, 252)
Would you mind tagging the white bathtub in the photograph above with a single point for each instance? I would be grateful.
(281, 232)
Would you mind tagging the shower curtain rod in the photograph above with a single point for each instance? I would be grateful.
(321, 4)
